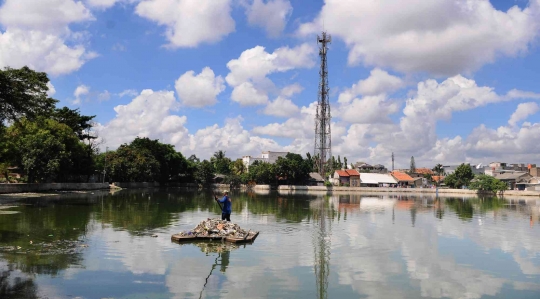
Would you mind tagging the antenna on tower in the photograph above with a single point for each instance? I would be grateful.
(323, 140)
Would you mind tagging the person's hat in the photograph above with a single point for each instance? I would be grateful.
(225, 192)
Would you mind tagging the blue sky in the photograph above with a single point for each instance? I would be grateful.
(444, 81)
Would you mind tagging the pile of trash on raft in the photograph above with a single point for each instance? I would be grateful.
(214, 229)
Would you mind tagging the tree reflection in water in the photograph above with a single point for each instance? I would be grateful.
(15, 287)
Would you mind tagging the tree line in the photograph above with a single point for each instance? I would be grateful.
(53, 144)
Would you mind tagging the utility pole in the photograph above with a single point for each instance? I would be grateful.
(392, 161)
(323, 140)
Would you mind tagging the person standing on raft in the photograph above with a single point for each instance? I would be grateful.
(226, 209)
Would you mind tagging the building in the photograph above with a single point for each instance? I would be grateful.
(476, 169)
(363, 167)
(402, 178)
(315, 179)
(345, 177)
(421, 172)
(377, 180)
(511, 177)
(267, 157)
(529, 184)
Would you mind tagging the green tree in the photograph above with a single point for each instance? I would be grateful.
(412, 167)
(262, 173)
(345, 162)
(293, 168)
(238, 167)
(205, 173)
(47, 150)
(484, 182)
(23, 93)
(172, 164)
(221, 163)
(439, 169)
(132, 164)
(459, 178)
(80, 124)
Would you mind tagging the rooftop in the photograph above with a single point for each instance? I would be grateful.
(401, 176)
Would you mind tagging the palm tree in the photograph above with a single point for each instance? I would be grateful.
(238, 167)
(439, 170)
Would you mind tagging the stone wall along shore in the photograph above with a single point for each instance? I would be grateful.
(27, 188)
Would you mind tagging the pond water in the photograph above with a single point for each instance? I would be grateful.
(311, 246)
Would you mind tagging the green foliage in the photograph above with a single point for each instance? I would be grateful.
(262, 173)
(293, 168)
(233, 180)
(484, 182)
(23, 94)
(80, 124)
(48, 150)
(438, 169)
(461, 177)
(238, 167)
(327, 184)
(221, 163)
(132, 164)
(204, 173)
(172, 164)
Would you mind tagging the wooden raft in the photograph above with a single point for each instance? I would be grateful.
(248, 239)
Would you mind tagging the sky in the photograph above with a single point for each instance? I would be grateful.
(443, 81)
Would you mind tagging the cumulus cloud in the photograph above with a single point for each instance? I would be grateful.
(52, 91)
(147, 115)
(37, 34)
(281, 107)
(81, 90)
(189, 22)
(369, 109)
(379, 82)
(290, 90)
(128, 92)
(199, 90)
(248, 74)
(246, 95)
(523, 111)
(151, 114)
(271, 15)
(440, 37)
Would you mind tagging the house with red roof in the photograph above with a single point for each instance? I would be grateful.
(346, 177)
(402, 178)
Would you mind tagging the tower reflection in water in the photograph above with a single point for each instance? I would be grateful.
(323, 212)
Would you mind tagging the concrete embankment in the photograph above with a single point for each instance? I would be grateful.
(285, 189)
(26, 188)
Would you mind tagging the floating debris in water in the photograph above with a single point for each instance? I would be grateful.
(216, 228)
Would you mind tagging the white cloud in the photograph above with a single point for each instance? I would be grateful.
(246, 95)
(199, 90)
(81, 90)
(369, 109)
(248, 74)
(128, 92)
(104, 96)
(271, 15)
(43, 15)
(290, 90)
(190, 22)
(379, 82)
(52, 91)
(440, 37)
(281, 107)
(147, 115)
(150, 114)
(523, 111)
(37, 34)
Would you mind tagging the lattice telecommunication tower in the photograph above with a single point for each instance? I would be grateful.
(323, 142)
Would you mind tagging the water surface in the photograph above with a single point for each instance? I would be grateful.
(311, 246)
